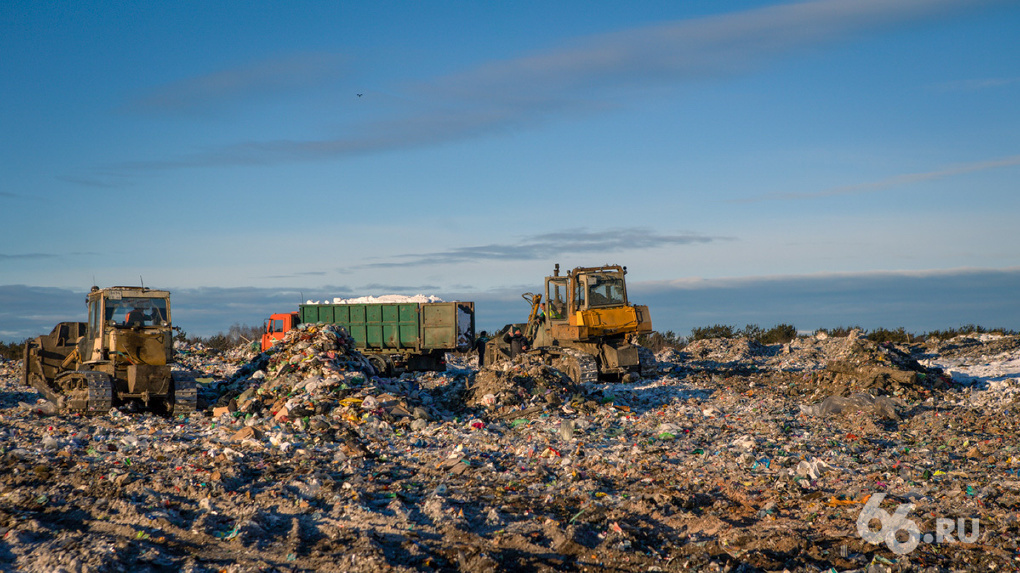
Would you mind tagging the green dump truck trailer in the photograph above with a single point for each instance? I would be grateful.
(395, 337)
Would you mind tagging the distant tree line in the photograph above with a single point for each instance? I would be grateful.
(784, 333)
(237, 335)
(12, 350)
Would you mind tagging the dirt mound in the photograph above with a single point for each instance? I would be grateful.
(879, 369)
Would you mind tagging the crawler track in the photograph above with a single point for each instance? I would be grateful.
(185, 395)
(91, 392)
(581, 367)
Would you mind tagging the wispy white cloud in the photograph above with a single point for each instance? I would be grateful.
(421, 130)
(298, 275)
(37, 256)
(230, 86)
(569, 241)
(683, 50)
(27, 256)
(583, 77)
(888, 182)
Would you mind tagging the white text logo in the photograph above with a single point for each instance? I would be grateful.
(901, 534)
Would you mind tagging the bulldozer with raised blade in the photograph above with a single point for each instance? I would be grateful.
(582, 324)
(121, 357)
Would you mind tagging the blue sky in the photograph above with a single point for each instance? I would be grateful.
(225, 146)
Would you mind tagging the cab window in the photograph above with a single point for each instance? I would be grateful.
(578, 295)
(136, 311)
(93, 317)
(605, 291)
(556, 296)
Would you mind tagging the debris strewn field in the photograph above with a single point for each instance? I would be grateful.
(731, 456)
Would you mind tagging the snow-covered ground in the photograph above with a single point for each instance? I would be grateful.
(970, 369)
(994, 378)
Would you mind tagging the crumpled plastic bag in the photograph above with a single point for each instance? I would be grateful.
(882, 406)
(812, 469)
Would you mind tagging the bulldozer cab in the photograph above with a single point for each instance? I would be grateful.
(121, 356)
(586, 303)
(582, 289)
(128, 324)
(599, 288)
(582, 324)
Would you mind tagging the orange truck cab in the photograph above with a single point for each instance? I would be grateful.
(276, 327)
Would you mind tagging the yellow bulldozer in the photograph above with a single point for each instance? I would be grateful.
(583, 325)
(121, 356)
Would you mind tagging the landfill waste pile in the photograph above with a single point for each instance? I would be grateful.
(823, 454)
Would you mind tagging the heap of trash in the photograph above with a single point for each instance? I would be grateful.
(823, 454)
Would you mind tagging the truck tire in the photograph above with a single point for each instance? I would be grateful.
(381, 365)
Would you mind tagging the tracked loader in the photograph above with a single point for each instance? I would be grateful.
(582, 324)
(120, 357)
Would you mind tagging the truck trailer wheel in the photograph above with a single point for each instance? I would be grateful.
(382, 366)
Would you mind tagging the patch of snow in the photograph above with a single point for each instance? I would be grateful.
(386, 298)
(1000, 368)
